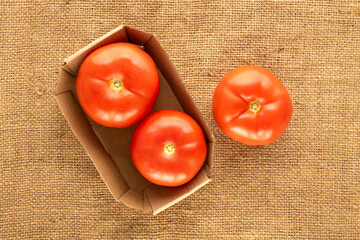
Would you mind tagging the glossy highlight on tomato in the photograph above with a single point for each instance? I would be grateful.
(117, 85)
(252, 106)
(168, 148)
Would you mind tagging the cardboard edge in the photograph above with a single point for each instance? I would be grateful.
(210, 155)
(133, 199)
(181, 198)
(137, 37)
(172, 195)
(64, 84)
(147, 205)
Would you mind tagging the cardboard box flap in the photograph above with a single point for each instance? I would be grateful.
(72, 63)
(84, 132)
(210, 156)
(137, 37)
(65, 82)
(163, 197)
(147, 205)
(133, 198)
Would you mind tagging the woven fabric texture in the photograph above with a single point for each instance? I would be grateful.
(303, 186)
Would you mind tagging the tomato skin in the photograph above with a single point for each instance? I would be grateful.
(160, 129)
(232, 111)
(129, 101)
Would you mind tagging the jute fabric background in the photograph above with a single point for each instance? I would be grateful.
(304, 186)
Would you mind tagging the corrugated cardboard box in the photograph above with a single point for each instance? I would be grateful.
(109, 148)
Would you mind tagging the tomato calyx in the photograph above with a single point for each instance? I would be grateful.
(254, 106)
(116, 84)
(169, 148)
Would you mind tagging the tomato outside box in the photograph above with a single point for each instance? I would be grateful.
(109, 148)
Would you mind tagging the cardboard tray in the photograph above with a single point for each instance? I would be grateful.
(109, 148)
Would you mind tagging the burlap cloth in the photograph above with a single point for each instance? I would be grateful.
(304, 186)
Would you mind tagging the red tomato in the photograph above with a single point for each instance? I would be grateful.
(117, 85)
(252, 106)
(168, 148)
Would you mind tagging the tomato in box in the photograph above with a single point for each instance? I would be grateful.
(117, 85)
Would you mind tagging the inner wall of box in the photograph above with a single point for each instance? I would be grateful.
(117, 140)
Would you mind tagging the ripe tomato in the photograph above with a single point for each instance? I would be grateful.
(168, 148)
(117, 85)
(252, 106)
